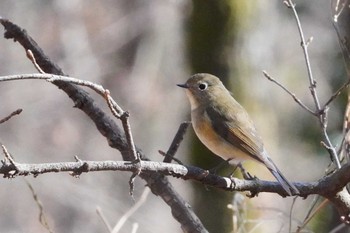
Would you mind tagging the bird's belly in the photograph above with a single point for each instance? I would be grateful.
(215, 142)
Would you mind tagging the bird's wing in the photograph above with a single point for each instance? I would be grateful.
(231, 129)
(246, 138)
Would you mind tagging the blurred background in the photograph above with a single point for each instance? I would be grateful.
(139, 50)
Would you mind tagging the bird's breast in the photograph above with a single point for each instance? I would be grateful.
(212, 140)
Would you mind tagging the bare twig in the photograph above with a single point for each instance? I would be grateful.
(113, 106)
(311, 215)
(321, 112)
(289, 93)
(132, 180)
(176, 142)
(337, 93)
(116, 110)
(338, 8)
(135, 227)
(343, 42)
(290, 214)
(127, 129)
(42, 216)
(124, 117)
(304, 46)
(131, 211)
(173, 158)
(104, 219)
(8, 156)
(54, 78)
(17, 112)
(31, 57)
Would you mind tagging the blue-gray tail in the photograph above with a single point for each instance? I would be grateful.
(287, 186)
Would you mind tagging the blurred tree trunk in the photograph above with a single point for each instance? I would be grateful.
(210, 28)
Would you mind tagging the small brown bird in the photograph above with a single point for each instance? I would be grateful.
(224, 126)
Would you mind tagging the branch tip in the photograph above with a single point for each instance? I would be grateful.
(16, 112)
(31, 57)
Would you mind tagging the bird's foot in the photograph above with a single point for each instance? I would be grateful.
(246, 175)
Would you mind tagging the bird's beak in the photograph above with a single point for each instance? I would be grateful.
(183, 85)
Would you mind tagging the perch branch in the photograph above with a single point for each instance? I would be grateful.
(327, 186)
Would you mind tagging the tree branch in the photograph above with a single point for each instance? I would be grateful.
(321, 112)
(108, 128)
(327, 186)
(17, 112)
(330, 187)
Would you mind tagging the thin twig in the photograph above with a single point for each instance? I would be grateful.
(52, 78)
(290, 214)
(337, 93)
(176, 142)
(17, 112)
(289, 93)
(113, 106)
(302, 225)
(304, 46)
(322, 112)
(343, 41)
(104, 219)
(123, 115)
(173, 158)
(135, 227)
(338, 10)
(8, 156)
(311, 215)
(131, 211)
(42, 216)
(132, 181)
(31, 57)
(128, 135)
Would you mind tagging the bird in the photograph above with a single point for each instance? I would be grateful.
(225, 127)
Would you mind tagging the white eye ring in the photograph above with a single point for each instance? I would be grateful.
(203, 86)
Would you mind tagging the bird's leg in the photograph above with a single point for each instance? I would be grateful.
(246, 175)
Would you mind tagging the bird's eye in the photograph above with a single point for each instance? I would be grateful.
(203, 86)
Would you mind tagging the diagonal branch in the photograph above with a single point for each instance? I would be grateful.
(108, 128)
(337, 93)
(289, 93)
(17, 112)
(169, 155)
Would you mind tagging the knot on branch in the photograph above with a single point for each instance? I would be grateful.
(10, 163)
(124, 115)
(83, 167)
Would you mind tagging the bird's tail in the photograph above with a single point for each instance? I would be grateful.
(287, 186)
